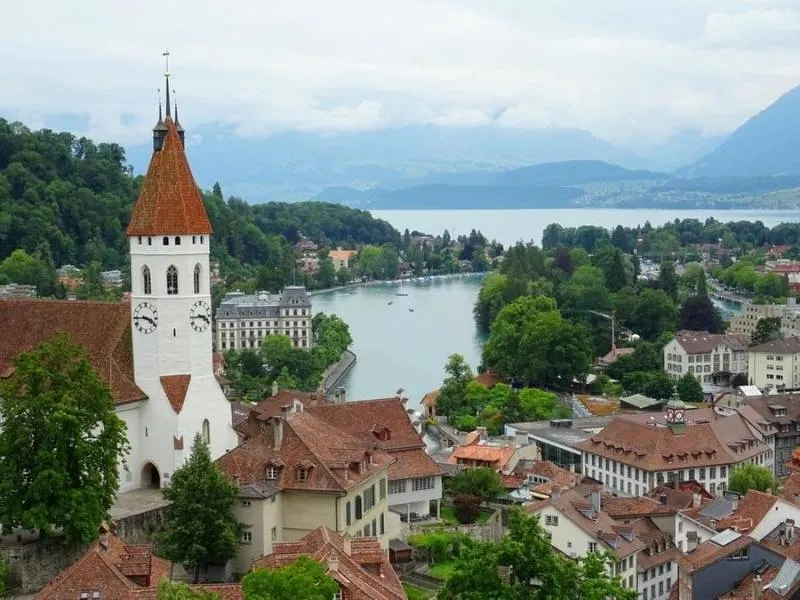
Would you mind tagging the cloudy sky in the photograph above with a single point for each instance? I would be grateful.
(624, 69)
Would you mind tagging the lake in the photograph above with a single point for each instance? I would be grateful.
(397, 348)
(510, 226)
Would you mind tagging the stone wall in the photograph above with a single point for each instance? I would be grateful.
(32, 564)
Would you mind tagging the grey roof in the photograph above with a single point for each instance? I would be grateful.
(726, 537)
(786, 577)
(579, 431)
(398, 545)
(640, 401)
(790, 345)
(262, 304)
(718, 508)
(703, 342)
(259, 490)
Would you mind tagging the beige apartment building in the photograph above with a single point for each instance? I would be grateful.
(706, 354)
(775, 365)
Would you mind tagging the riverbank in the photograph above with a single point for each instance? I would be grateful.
(374, 282)
(335, 373)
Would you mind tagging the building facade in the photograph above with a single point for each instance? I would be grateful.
(246, 320)
(775, 365)
(782, 412)
(705, 355)
(636, 453)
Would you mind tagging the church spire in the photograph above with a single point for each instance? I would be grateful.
(160, 130)
(178, 126)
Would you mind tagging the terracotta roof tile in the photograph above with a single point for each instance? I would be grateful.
(103, 328)
(175, 387)
(363, 570)
(169, 202)
(752, 508)
(708, 553)
(621, 507)
(703, 342)
(498, 456)
(791, 488)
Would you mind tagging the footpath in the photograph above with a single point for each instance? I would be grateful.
(334, 374)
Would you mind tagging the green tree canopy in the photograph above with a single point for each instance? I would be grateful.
(698, 313)
(482, 482)
(767, 329)
(200, 528)
(169, 590)
(653, 314)
(61, 442)
(305, 578)
(752, 477)
(458, 375)
(689, 388)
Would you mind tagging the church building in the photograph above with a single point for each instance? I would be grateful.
(156, 351)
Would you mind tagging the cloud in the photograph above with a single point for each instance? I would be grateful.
(622, 69)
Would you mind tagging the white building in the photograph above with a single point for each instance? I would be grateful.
(635, 453)
(246, 320)
(775, 365)
(706, 354)
(154, 352)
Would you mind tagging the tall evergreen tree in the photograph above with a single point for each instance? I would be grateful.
(200, 528)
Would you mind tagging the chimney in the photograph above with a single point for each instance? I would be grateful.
(346, 541)
(297, 405)
(758, 591)
(333, 562)
(274, 388)
(696, 500)
(277, 432)
(662, 498)
(596, 501)
(104, 539)
(555, 492)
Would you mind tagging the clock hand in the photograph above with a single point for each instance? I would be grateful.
(205, 318)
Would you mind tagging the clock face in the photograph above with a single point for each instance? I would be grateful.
(200, 316)
(679, 415)
(145, 317)
(670, 414)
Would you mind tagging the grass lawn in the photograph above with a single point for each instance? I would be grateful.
(442, 571)
(449, 516)
(416, 593)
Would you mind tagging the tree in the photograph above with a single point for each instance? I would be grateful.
(327, 273)
(467, 508)
(22, 268)
(457, 375)
(3, 575)
(200, 528)
(653, 314)
(660, 386)
(483, 483)
(169, 590)
(61, 443)
(689, 388)
(767, 329)
(534, 570)
(698, 313)
(92, 287)
(753, 477)
(305, 578)
(668, 279)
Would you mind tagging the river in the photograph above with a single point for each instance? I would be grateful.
(510, 226)
(397, 348)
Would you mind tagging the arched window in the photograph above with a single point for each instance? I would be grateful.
(177, 240)
(172, 280)
(206, 431)
(147, 284)
(166, 241)
(197, 278)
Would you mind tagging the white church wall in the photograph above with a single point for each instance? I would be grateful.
(129, 472)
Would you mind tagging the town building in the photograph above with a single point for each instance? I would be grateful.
(782, 412)
(706, 355)
(478, 450)
(114, 570)
(577, 526)
(359, 566)
(17, 290)
(635, 453)
(155, 351)
(775, 365)
(341, 258)
(306, 246)
(246, 320)
(752, 313)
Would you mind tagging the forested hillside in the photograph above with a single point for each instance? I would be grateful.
(67, 200)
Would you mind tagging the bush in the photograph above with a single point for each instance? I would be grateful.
(467, 508)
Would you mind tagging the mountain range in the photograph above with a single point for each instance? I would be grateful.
(477, 166)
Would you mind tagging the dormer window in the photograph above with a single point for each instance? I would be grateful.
(272, 472)
(302, 474)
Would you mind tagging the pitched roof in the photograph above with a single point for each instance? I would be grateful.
(498, 456)
(789, 345)
(362, 568)
(103, 328)
(169, 202)
(175, 388)
(619, 507)
(620, 541)
(120, 571)
(749, 512)
(703, 342)
(645, 441)
(791, 488)
(301, 440)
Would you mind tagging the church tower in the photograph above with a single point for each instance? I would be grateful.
(169, 237)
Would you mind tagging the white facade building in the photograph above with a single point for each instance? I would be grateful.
(246, 320)
(775, 365)
(705, 354)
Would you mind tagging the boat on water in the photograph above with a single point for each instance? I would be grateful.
(390, 302)
(410, 310)
(401, 294)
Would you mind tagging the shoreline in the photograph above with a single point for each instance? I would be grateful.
(372, 282)
(338, 371)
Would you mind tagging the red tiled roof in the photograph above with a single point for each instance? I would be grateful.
(750, 511)
(706, 439)
(791, 488)
(621, 507)
(708, 553)
(352, 572)
(306, 440)
(175, 387)
(498, 456)
(169, 202)
(120, 571)
(103, 328)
